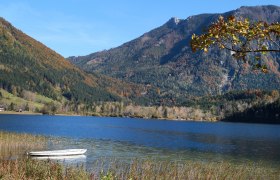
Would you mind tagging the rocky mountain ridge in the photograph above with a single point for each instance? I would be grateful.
(163, 58)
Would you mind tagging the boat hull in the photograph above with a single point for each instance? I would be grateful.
(66, 152)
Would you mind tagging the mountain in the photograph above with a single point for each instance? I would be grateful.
(29, 68)
(162, 58)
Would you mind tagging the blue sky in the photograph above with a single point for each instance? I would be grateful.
(81, 27)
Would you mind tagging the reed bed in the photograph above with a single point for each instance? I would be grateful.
(18, 144)
(29, 169)
(146, 170)
(149, 169)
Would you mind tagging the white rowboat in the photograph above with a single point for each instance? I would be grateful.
(66, 152)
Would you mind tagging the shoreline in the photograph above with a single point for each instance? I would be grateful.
(81, 115)
(34, 113)
(19, 113)
(133, 117)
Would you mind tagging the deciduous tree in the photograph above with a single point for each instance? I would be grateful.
(241, 37)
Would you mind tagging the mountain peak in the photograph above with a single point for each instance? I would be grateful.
(173, 22)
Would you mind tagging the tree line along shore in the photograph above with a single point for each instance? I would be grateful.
(242, 106)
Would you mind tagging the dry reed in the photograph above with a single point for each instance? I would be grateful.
(18, 144)
(149, 169)
(33, 169)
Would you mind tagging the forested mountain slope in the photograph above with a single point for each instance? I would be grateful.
(27, 66)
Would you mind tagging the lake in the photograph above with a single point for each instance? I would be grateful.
(128, 138)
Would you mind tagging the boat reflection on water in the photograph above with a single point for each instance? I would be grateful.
(76, 159)
(65, 152)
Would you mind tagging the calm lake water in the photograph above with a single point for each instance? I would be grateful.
(129, 138)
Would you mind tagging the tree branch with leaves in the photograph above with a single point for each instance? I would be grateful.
(241, 37)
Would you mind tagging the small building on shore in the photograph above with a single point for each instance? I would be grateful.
(2, 109)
